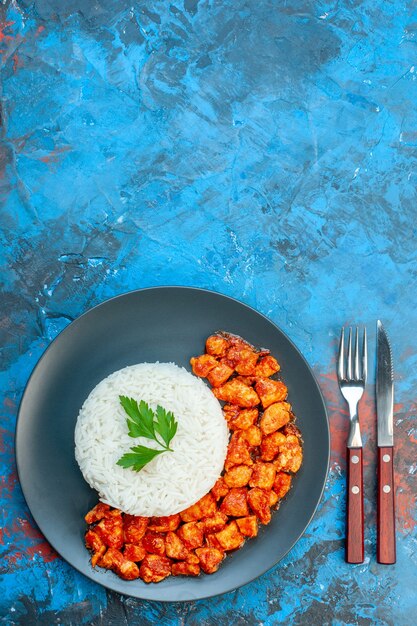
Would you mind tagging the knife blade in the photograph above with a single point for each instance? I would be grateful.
(384, 389)
(386, 548)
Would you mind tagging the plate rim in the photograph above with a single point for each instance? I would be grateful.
(160, 288)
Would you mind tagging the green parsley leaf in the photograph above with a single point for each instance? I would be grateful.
(164, 424)
(139, 457)
(144, 422)
(141, 422)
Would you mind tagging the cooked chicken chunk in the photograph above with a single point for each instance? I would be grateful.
(134, 527)
(275, 417)
(270, 391)
(205, 507)
(243, 419)
(237, 452)
(291, 429)
(134, 552)
(248, 526)
(263, 475)
(270, 445)
(273, 498)
(220, 489)
(97, 513)
(185, 569)
(213, 542)
(154, 568)
(203, 364)
(191, 534)
(230, 538)
(219, 374)
(247, 380)
(252, 435)
(282, 484)
(266, 366)
(210, 559)
(94, 542)
(230, 411)
(154, 543)
(236, 392)
(217, 346)
(164, 524)
(243, 358)
(192, 557)
(290, 455)
(215, 523)
(258, 500)
(110, 529)
(234, 503)
(238, 476)
(114, 559)
(175, 547)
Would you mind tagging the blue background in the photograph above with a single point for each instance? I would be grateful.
(266, 150)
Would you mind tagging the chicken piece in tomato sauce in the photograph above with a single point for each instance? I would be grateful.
(270, 391)
(155, 568)
(230, 538)
(210, 559)
(236, 392)
(217, 346)
(110, 529)
(113, 559)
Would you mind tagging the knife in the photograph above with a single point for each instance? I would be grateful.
(385, 408)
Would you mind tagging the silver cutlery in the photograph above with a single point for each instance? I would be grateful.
(386, 551)
(352, 372)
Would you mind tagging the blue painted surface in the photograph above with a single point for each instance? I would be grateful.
(265, 150)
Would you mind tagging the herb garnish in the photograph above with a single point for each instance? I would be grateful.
(144, 422)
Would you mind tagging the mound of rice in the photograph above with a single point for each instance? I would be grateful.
(173, 480)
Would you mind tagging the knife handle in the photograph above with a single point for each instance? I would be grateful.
(354, 507)
(386, 507)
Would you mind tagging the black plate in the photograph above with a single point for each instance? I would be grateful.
(158, 324)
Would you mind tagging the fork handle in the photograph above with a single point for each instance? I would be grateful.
(354, 507)
(386, 507)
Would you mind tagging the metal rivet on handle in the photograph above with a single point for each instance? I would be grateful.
(355, 459)
(386, 458)
(355, 489)
(386, 488)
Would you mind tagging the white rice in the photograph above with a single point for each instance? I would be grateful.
(173, 480)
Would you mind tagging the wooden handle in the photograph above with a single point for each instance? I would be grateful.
(354, 507)
(386, 507)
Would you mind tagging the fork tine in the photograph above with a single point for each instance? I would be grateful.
(341, 357)
(356, 369)
(349, 355)
(364, 356)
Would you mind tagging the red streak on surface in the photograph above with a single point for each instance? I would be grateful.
(3, 27)
(4, 38)
(45, 551)
(54, 155)
(14, 558)
(9, 403)
(17, 62)
(41, 546)
(7, 485)
(405, 454)
(405, 505)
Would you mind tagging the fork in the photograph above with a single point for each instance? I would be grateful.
(351, 373)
